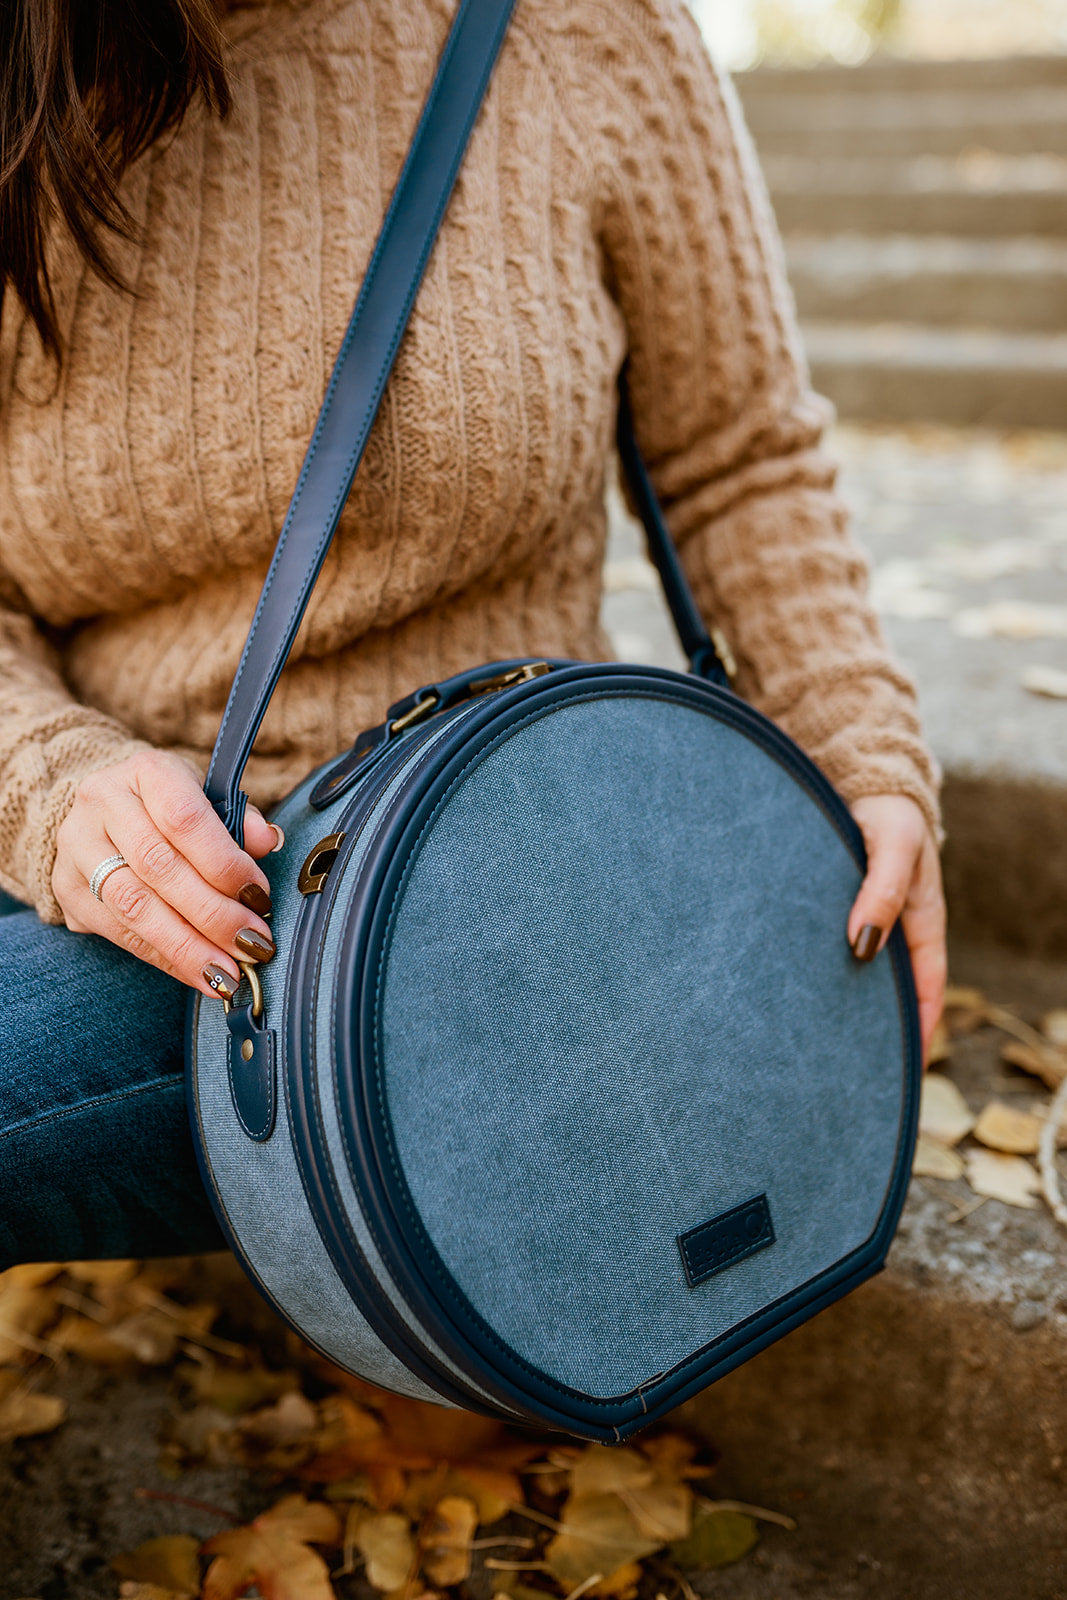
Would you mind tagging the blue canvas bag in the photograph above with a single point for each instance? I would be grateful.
(563, 1094)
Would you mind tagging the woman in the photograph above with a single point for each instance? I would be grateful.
(156, 393)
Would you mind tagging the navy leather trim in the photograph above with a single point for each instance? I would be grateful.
(252, 1081)
(357, 383)
(301, 1084)
(412, 1260)
(685, 614)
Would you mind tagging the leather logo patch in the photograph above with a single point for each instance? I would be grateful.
(725, 1240)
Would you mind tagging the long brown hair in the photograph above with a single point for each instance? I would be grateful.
(85, 87)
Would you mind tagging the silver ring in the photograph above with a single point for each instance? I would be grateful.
(104, 870)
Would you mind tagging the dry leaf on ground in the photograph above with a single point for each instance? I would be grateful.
(622, 1584)
(26, 1309)
(718, 1539)
(388, 1547)
(25, 1412)
(598, 1536)
(934, 1160)
(965, 1009)
(1054, 1026)
(662, 1511)
(274, 1553)
(445, 1540)
(944, 1114)
(1008, 1129)
(599, 1470)
(1048, 1064)
(940, 1048)
(133, 1589)
(171, 1563)
(1049, 682)
(1001, 1177)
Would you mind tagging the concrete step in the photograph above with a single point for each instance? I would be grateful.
(978, 196)
(904, 372)
(897, 74)
(1017, 285)
(906, 123)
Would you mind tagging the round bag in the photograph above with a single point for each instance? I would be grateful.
(564, 1093)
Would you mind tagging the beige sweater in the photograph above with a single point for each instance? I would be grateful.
(608, 206)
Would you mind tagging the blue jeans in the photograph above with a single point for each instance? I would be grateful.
(96, 1157)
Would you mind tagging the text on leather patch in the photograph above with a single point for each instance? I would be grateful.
(726, 1239)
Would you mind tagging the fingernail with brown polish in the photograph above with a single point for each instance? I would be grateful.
(867, 941)
(253, 944)
(219, 979)
(256, 899)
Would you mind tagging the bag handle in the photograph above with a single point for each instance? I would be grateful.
(354, 393)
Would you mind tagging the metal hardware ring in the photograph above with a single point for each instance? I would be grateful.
(249, 970)
(109, 865)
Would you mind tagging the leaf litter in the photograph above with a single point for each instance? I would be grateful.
(995, 1164)
(358, 1486)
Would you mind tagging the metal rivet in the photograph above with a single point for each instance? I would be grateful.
(248, 1049)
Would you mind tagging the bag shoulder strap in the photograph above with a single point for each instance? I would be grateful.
(356, 385)
(354, 393)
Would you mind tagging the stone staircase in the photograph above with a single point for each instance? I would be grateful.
(924, 211)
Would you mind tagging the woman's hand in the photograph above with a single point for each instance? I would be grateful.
(188, 901)
(903, 880)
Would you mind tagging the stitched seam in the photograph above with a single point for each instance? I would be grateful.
(90, 1105)
(451, 1289)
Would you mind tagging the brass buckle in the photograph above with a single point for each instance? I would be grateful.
(249, 970)
(416, 714)
(508, 680)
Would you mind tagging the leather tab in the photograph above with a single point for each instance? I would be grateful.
(252, 1070)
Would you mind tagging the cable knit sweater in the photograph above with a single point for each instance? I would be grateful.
(609, 206)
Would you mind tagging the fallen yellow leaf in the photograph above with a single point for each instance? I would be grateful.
(1050, 1065)
(386, 1544)
(170, 1562)
(274, 1553)
(1054, 1026)
(102, 1273)
(598, 1536)
(30, 1274)
(622, 1584)
(133, 1589)
(1001, 1177)
(24, 1414)
(1007, 1129)
(663, 1511)
(940, 1048)
(445, 1539)
(944, 1114)
(26, 1309)
(599, 1470)
(933, 1160)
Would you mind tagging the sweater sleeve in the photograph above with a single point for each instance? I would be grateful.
(725, 417)
(48, 743)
